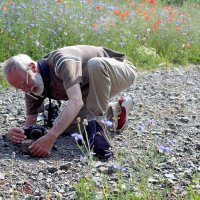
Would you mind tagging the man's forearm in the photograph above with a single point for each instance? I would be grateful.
(65, 118)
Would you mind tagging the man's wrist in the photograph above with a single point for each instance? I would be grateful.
(52, 134)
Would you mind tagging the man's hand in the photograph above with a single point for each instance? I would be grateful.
(42, 146)
(16, 135)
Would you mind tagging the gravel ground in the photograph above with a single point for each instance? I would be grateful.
(161, 144)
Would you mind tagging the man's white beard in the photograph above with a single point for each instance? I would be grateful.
(39, 85)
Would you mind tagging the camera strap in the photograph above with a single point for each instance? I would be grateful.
(45, 73)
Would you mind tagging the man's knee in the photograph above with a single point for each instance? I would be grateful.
(95, 65)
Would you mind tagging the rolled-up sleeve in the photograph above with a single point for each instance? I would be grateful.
(68, 69)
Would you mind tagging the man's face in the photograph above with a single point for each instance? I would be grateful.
(27, 81)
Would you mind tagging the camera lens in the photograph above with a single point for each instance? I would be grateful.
(35, 134)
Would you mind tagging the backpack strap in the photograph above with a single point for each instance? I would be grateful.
(45, 73)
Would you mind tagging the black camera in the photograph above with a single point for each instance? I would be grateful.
(35, 131)
(49, 118)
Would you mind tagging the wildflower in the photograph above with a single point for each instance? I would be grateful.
(77, 136)
(171, 14)
(186, 46)
(147, 15)
(155, 27)
(107, 122)
(169, 19)
(4, 8)
(83, 159)
(98, 7)
(117, 12)
(158, 21)
(11, 3)
(122, 44)
(59, 1)
(119, 168)
(94, 25)
(153, 10)
(139, 10)
(132, 4)
(166, 8)
(177, 28)
(37, 43)
(152, 2)
(141, 4)
(165, 148)
(85, 122)
(148, 30)
(124, 14)
(147, 51)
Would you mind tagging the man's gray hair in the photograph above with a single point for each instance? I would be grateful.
(19, 61)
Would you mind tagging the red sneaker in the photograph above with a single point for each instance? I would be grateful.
(126, 105)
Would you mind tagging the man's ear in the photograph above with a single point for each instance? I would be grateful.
(33, 67)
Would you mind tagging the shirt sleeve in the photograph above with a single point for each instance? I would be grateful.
(68, 69)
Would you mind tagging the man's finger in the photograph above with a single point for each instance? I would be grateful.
(16, 130)
(39, 153)
(19, 135)
(34, 152)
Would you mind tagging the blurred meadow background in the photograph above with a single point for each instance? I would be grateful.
(152, 33)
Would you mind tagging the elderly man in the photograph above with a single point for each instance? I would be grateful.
(87, 76)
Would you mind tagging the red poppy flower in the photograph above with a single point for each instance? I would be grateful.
(152, 2)
(98, 7)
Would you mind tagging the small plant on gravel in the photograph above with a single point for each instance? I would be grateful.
(85, 189)
(84, 146)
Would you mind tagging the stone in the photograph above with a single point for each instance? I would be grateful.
(25, 145)
(65, 166)
(198, 147)
(184, 120)
(102, 169)
(52, 169)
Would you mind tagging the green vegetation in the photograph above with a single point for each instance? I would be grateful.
(152, 33)
(168, 34)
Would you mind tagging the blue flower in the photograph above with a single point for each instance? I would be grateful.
(165, 148)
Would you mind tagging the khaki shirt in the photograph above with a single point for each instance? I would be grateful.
(68, 66)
